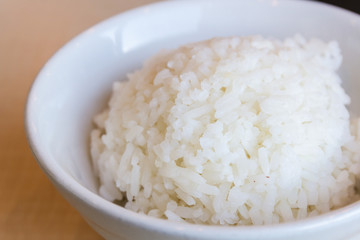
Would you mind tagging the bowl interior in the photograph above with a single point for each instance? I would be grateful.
(75, 84)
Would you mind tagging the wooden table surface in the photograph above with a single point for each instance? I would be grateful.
(30, 32)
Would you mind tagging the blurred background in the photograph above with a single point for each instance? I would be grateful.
(350, 5)
(30, 32)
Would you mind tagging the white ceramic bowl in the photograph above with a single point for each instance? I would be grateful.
(75, 85)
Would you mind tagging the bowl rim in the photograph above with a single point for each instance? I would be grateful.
(64, 181)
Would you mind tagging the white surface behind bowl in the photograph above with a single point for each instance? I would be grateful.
(75, 85)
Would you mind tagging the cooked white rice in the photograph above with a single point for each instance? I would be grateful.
(233, 131)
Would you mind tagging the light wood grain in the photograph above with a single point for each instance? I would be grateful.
(30, 32)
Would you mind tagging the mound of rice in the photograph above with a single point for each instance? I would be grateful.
(233, 131)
